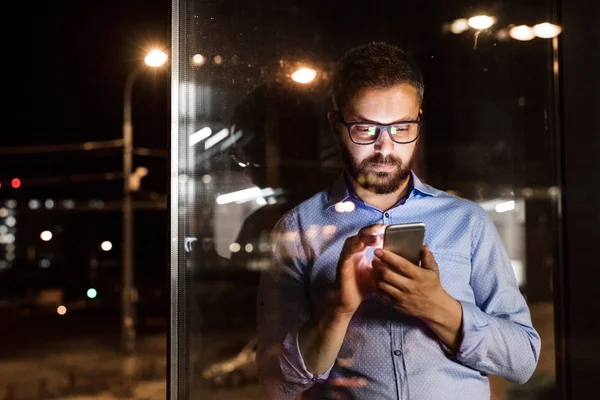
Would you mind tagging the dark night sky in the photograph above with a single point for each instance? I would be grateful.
(68, 66)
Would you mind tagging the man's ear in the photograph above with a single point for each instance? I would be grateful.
(332, 118)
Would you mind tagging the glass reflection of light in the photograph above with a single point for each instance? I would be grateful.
(344, 206)
(522, 32)
(505, 206)
(546, 30)
(481, 22)
(198, 59)
(459, 26)
(304, 75)
(199, 136)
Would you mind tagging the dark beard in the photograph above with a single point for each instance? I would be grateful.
(373, 181)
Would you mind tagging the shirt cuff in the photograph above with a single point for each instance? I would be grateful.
(474, 330)
(314, 378)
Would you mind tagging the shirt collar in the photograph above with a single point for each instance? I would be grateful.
(342, 190)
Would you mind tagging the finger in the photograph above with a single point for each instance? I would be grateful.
(383, 273)
(372, 235)
(427, 260)
(398, 263)
(388, 292)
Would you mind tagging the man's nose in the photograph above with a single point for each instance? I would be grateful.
(384, 143)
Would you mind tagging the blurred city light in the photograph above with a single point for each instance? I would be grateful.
(45, 263)
(10, 221)
(546, 30)
(234, 247)
(3, 212)
(522, 32)
(505, 206)
(92, 293)
(459, 25)
(106, 245)
(156, 58)
(68, 204)
(198, 59)
(16, 183)
(481, 22)
(61, 310)
(249, 248)
(218, 59)
(49, 203)
(206, 179)
(46, 236)
(304, 75)
(34, 204)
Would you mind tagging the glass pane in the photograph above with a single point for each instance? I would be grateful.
(252, 141)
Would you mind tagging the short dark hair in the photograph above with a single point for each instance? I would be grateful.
(377, 65)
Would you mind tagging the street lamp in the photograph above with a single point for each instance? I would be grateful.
(155, 58)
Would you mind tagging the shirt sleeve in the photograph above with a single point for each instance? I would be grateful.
(283, 307)
(497, 334)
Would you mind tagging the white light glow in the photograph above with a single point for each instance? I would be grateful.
(156, 58)
(206, 179)
(459, 26)
(240, 195)
(45, 263)
(198, 59)
(92, 293)
(344, 206)
(34, 204)
(546, 30)
(234, 247)
(10, 221)
(199, 136)
(304, 75)
(106, 245)
(61, 310)
(522, 33)
(505, 206)
(481, 22)
(49, 203)
(210, 142)
(46, 236)
(249, 248)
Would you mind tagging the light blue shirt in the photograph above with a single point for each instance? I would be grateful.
(387, 354)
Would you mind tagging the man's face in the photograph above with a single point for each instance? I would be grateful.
(380, 167)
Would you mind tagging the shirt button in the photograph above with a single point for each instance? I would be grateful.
(397, 352)
(387, 215)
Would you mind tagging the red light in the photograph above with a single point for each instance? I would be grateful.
(16, 183)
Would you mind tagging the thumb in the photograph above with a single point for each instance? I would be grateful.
(427, 260)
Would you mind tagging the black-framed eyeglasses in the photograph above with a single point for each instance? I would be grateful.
(403, 132)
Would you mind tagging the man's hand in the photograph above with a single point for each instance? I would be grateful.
(354, 281)
(411, 289)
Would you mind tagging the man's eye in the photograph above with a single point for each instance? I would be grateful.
(399, 129)
(366, 129)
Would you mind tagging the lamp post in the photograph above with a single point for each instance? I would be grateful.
(155, 58)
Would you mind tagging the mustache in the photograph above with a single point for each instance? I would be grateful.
(379, 159)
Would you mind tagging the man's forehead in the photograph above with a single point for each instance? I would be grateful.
(393, 103)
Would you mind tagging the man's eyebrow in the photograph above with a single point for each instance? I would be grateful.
(363, 119)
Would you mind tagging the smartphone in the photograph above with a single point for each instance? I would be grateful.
(406, 240)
